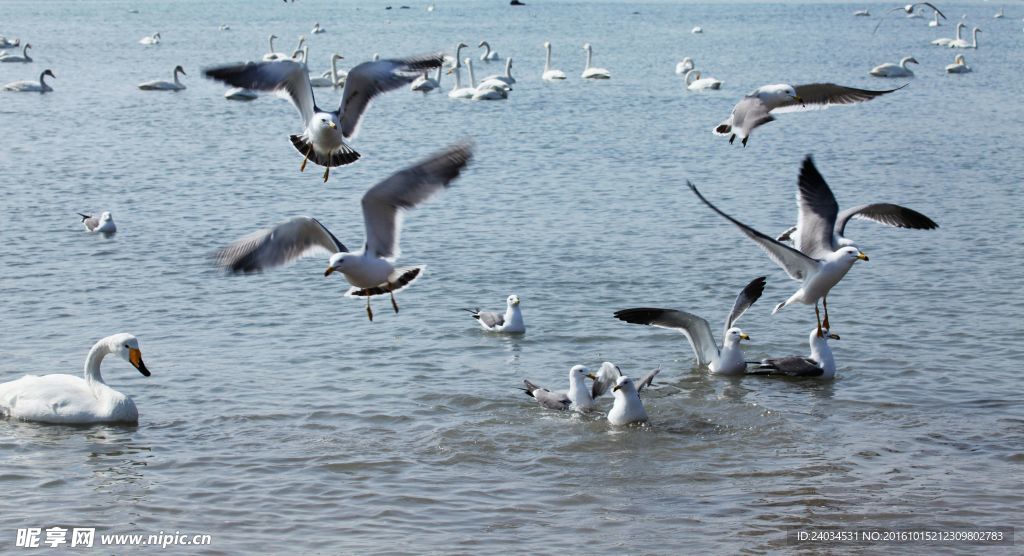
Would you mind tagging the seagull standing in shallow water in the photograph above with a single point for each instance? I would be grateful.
(817, 276)
(727, 361)
(370, 271)
(325, 132)
(757, 108)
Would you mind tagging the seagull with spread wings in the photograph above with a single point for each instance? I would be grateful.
(907, 9)
(827, 224)
(325, 132)
(760, 106)
(726, 361)
(372, 270)
(817, 275)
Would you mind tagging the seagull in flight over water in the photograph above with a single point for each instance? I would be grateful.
(908, 9)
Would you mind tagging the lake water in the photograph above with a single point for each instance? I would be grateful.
(279, 420)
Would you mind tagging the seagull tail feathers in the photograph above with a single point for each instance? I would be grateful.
(339, 157)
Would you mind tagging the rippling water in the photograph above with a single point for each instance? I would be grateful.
(278, 419)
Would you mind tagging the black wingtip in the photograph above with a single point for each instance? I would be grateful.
(84, 217)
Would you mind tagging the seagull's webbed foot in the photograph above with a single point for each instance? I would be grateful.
(394, 303)
(327, 173)
(369, 311)
(305, 159)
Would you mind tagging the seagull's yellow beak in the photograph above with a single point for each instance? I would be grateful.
(135, 358)
(833, 336)
(862, 257)
(799, 99)
(616, 388)
(744, 336)
(591, 376)
(329, 270)
(333, 125)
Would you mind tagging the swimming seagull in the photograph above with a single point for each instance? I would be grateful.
(324, 135)
(577, 397)
(908, 9)
(758, 108)
(370, 271)
(102, 225)
(817, 275)
(627, 407)
(727, 361)
(511, 322)
(819, 213)
(820, 364)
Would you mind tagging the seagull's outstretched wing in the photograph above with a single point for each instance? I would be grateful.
(547, 398)
(647, 380)
(817, 96)
(287, 78)
(788, 366)
(885, 213)
(750, 294)
(384, 202)
(370, 79)
(817, 210)
(696, 329)
(797, 265)
(606, 377)
(297, 237)
(929, 4)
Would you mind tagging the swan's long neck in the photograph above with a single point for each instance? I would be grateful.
(92, 362)
(903, 63)
(334, 71)
(438, 78)
(458, 55)
(959, 27)
(974, 38)
(508, 68)
(590, 54)
(41, 82)
(458, 78)
(547, 59)
(487, 52)
(691, 76)
(271, 43)
(469, 68)
(176, 71)
(302, 41)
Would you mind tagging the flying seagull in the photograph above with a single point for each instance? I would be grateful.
(758, 108)
(826, 224)
(627, 407)
(817, 275)
(908, 9)
(370, 271)
(325, 132)
(727, 361)
(511, 322)
(578, 397)
(820, 364)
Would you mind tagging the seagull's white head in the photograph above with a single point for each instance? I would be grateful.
(733, 336)
(106, 217)
(774, 94)
(851, 254)
(578, 373)
(127, 347)
(513, 300)
(322, 121)
(623, 386)
(336, 263)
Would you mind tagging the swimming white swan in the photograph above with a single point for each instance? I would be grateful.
(223, 27)
(895, 70)
(945, 41)
(962, 43)
(505, 78)
(999, 14)
(458, 91)
(31, 86)
(425, 83)
(862, 13)
(488, 55)
(959, 65)
(150, 40)
(72, 400)
(14, 59)
(695, 82)
(935, 20)
(240, 93)
(493, 91)
(697, 30)
(328, 78)
(592, 72)
(684, 65)
(8, 43)
(317, 29)
(165, 85)
(550, 74)
(272, 55)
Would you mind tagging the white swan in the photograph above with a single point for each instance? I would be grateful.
(150, 40)
(240, 93)
(31, 86)
(425, 83)
(14, 59)
(935, 20)
(272, 55)
(959, 65)
(695, 82)
(453, 61)
(862, 13)
(488, 55)
(317, 29)
(697, 30)
(8, 43)
(895, 70)
(962, 43)
(72, 400)
(458, 91)
(332, 77)
(999, 14)
(223, 27)
(484, 91)
(684, 65)
(592, 72)
(550, 74)
(505, 78)
(165, 85)
(945, 41)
